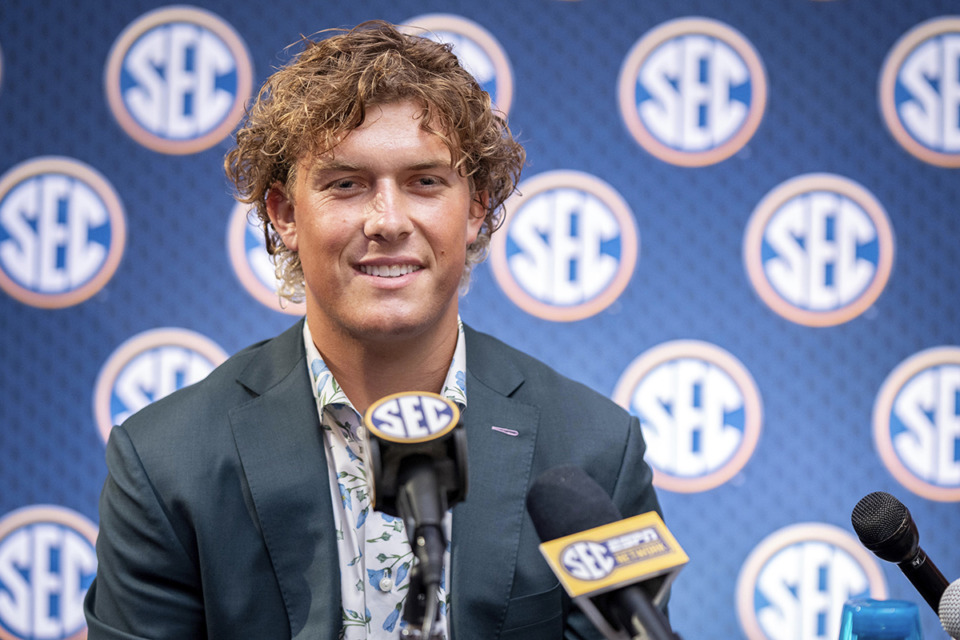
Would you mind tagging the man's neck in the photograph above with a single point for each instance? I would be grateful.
(367, 371)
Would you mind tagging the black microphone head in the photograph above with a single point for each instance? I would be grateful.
(885, 527)
(949, 610)
(565, 500)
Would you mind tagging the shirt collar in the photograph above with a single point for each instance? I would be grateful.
(328, 392)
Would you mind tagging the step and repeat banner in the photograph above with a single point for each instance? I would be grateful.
(740, 219)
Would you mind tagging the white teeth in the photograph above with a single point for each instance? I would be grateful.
(392, 271)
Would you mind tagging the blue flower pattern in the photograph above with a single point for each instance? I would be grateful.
(376, 546)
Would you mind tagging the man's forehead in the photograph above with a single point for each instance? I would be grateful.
(339, 156)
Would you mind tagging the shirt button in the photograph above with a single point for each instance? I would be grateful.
(386, 584)
(361, 433)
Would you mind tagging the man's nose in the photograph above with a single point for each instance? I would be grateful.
(388, 217)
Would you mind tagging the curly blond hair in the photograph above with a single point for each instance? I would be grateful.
(307, 106)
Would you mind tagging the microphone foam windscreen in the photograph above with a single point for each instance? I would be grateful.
(565, 500)
(949, 610)
(877, 517)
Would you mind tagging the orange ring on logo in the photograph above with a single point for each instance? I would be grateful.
(901, 50)
(732, 367)
(883, 407)
(629, 245)
(133, 347)
(49, 513)
(159, 17)
(785, 537)
(629, 72)
(117, 221)
(772, 203)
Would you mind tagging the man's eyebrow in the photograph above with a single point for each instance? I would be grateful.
(333, 165)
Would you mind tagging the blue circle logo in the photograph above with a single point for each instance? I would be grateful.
(818, 249)
(920, 91)
(177, 78)
(692, 91)
(916, 423)
(794, 583)
(62, 232)
(700, 412)
(48, 560)
(147, 367)
(567, 247)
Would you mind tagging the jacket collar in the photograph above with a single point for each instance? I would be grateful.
(286, 469)
(486, 526)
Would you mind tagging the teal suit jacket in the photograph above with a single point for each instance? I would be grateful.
(216, 516)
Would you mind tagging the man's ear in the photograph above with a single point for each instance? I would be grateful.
(478, 213)
(281, 211)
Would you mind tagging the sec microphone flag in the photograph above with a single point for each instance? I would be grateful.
(614, 555)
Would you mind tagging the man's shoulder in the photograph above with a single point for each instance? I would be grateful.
(207, 401)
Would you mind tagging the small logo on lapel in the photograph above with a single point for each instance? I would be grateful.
(509, 432)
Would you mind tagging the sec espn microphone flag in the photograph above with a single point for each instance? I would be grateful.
(617, 571)
(886, 528)
(418, 460)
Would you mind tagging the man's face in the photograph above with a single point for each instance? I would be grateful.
(381, 226)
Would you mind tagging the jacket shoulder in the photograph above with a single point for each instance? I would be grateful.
(202, 406)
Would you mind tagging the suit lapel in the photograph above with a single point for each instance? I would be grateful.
(486, 526)
(280, 445)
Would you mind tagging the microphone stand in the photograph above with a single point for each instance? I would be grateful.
(423, 520)
(420, 610)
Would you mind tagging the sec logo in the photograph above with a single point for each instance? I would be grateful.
(177, 78)
(920, 91)
(48, 560)
(147, 367)
(794, 583)
(476, 48)
(586, 560)
(412, 417)
(916, 423)
(700, 412)
(692, 91)
(62, 232)
(567, 247)
(253, 265)
(819, 249)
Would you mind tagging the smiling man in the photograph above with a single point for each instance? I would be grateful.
(240, 507)
(381, 224)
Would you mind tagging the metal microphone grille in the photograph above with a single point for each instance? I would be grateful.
(950, 609)
(877, 517)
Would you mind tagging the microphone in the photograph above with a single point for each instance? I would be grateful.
(418, 461)
(601, 559)
(885, 527)
(949, 610)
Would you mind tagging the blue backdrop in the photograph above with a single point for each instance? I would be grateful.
(739, 219)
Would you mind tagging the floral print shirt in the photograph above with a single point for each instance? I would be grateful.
(374, 553)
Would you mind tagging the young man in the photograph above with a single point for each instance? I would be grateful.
(239, 507)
